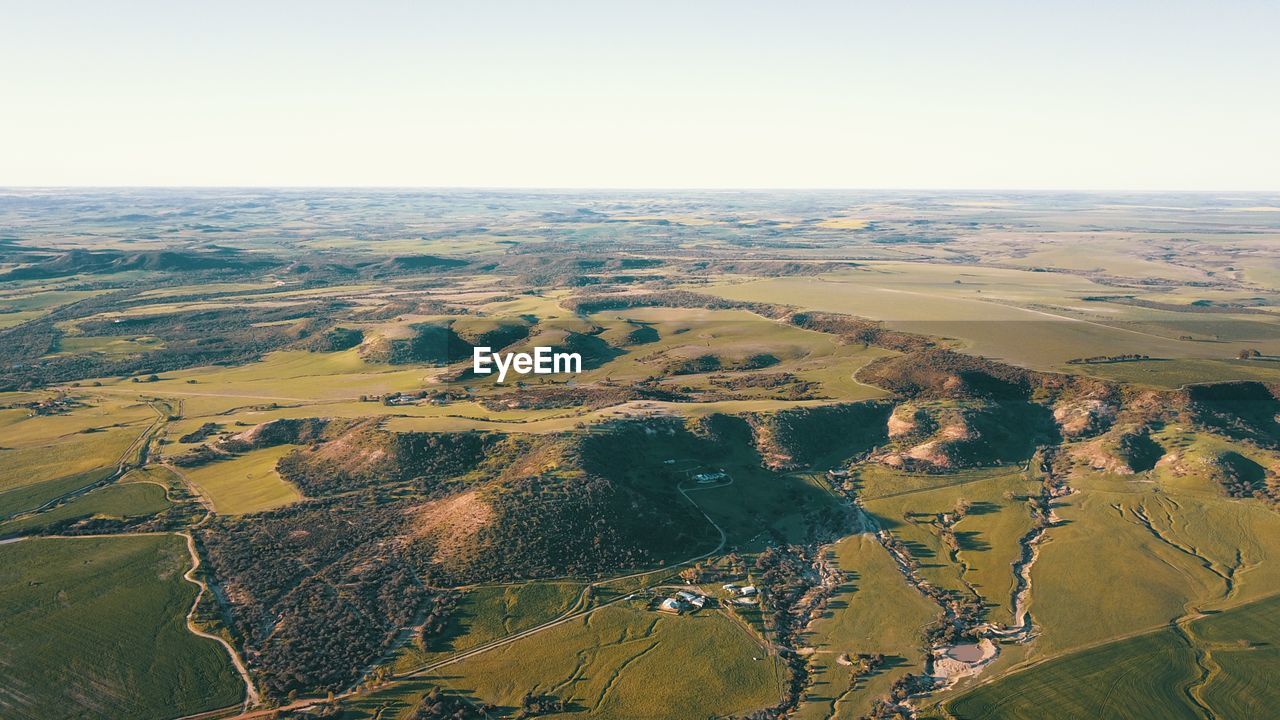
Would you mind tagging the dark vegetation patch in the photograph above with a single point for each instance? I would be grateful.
(1241, 477)
(1137, 449)
(189, 339)
(413, 264)
(937, 373)
(768, 268)
(713, 363)
(590, 397)
(785, 386)
(200, 433)
(822, 435)
(642, 334)
(1240, 410)
(367, 455)
(588, 304)
(858, 330)
(443, 343)
(91, 262)
(316, 593)
(336, 339)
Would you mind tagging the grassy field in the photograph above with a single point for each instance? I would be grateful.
(1142, 678)
(30, 497)
(122, 500)
(760, 503)
(1038, 320)
(988, 535)
(492, 612)
(1242, 657)
(874, 611)
(245, 484)
(46, 456)
(617, 663)
(1153, 574)
(282, 377)
(99, 626)
(1153, 675)
(37, 463)
(1176, 373)
(1244, 685)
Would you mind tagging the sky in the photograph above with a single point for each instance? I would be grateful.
(1043, 94)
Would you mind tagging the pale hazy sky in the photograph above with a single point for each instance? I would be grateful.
(890, 94)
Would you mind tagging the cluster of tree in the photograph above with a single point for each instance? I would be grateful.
(200, 433)
(895, 707)
(1243, 477)
(964, 612)
(799, 437)
(542, 397)
(188, 339)
(535, 705)
(1198, 306)
(437, 618)
(365, 454)
(562, 523)
(199, 455)
(712, 363)
(336, 339)
(587, 304)
(316, 590)
(863, 664)
(859, 330)
(1241, 410)
(437, 705)
(787, 385)
(783, 576)
(1103, 359)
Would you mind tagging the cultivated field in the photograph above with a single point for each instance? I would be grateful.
(100, 627)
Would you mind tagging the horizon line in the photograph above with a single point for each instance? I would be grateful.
(647, 188)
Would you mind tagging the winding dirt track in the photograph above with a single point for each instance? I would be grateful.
(251, 693)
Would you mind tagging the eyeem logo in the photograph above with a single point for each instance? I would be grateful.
(542, 362)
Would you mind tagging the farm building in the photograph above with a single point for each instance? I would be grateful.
(671, 605)
(710, 476)
(694, 600)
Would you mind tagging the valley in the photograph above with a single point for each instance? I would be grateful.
(969, 464)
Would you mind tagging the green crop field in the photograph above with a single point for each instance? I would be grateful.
(123, 500)
(618, 662)
(30, 497)
(245, 484)
(83, 452)
(488, 613)
(1022, 317)
(1142, 677)
(1179, 563)
(99, 626)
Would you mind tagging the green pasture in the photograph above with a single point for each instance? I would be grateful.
(873, 611)
(96, 628)
(118, 501)
(245, 484)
